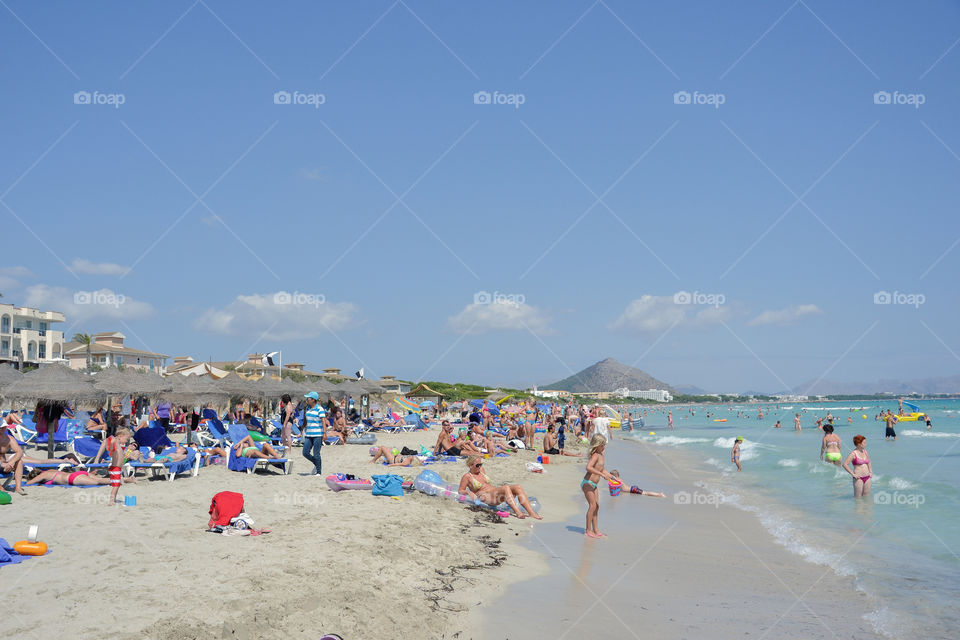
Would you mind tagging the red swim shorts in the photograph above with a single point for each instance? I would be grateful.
(115, 479)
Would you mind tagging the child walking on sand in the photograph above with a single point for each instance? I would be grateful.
(115, 446)
(588, 485)
(735, 454)
(637, 490)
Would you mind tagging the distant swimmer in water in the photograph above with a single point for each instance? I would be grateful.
(735, 454)
(929, 424)
(830, 448)
(796, 423)
(777, 426)
(670, 420)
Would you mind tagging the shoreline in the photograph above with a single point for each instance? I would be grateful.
(677, 572)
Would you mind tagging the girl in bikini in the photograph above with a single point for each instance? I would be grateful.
(862, 468)
(476, 484)
(831, 445)
(588, 485)
(74, 479)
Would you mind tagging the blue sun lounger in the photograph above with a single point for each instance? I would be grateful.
(238, 432)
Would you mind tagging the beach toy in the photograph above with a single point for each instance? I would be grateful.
(545, 459)
(615, 488)
(540, 459)
(864, 416)
(26, 548)
(653, 433)
(5, 498)
(339, 482)
(129, 501)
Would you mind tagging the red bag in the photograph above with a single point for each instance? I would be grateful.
(224, 506)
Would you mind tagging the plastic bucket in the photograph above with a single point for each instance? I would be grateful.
(546, 459)
(130, 501)
(615, 488)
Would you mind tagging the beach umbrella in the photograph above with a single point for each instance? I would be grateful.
(236, 386)
(113, 381)
(55, 384)
(8, 375)
(348, 388)
(406, 404)
(370, 386)
(193, 391)
(269, 387)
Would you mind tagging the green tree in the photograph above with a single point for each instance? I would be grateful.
(85, 339)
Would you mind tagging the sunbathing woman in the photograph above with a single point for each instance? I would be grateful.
(394, 460)
(75, 479)
(486, 444)
(178, 454)
(209, 451)
(247, 448)
(476, 484)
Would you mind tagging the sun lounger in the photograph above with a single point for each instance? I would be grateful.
(238, 432)
(167, 470)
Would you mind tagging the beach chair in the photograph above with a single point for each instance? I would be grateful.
(236, 433)
(86, 449)
(166, 470)
(60, 440)
(149, 439)
(216, 433)
(23, 434)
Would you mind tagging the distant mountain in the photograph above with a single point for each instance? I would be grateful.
(691, 390)
(948, 384)
(608, 375)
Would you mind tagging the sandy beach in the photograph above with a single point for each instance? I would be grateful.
(373, 567)
(347, 563)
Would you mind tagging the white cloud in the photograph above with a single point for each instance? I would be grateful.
(86, 267)
(79, 306)
(317, 175)
(280, 316)
(786, 316)
(499, 315)
(9, 275)
(16, 272)
(654, 314)
(650, 313)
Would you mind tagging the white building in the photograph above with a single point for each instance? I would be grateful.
(660, 395)
(26, 333)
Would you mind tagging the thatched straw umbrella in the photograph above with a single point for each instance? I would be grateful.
(53, 387)
(114, 381)
(236, 386)
(8, 375)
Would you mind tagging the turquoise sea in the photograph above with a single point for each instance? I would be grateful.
(902, 544)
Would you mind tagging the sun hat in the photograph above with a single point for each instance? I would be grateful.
(312, 394)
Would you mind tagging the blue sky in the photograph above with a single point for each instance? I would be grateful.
(386, 209)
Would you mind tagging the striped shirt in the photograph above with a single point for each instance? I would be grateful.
(314, 422)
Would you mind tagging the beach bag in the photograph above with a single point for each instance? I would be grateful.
(225, 506)
(389, 484)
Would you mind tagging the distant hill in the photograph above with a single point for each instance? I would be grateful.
(691, 390)
(608, 375)
(948, 384)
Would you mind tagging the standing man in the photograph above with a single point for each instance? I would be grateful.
(890, 433)
(314, 429)
(796, 422)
